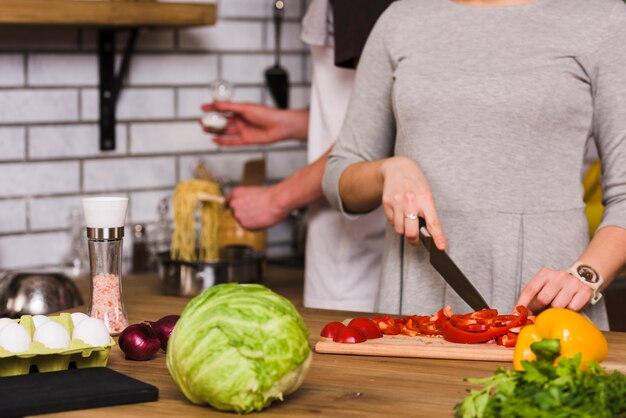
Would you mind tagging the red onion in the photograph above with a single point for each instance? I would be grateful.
(163, 328)
(139, 342)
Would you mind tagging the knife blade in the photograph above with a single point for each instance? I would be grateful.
(453, 275)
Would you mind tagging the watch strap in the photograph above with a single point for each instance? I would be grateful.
(590, 277)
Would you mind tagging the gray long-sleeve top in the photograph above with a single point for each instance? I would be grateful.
(497, 105)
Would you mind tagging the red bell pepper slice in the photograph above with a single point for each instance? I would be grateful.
(428, 325)
(507, 340)
(458, 335)
(484, 313)
(387, 325)
(462, 321)
(407, 331)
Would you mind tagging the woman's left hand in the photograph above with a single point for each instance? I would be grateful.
(554, 288)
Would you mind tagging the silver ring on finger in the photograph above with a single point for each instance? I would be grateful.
(411, 216)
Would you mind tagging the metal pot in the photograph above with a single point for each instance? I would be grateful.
(237, 263)
(36, 293)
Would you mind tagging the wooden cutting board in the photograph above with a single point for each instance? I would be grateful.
(418, 346)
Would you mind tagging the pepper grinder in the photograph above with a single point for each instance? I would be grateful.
(105, 218)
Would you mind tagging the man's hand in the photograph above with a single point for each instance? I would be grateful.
(554, 288)
(254, 124)
(256, 207)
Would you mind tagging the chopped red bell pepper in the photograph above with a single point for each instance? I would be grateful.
(456, 334)
(387, 325)
(507, 340)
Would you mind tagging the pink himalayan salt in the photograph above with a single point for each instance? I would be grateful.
(106, 302)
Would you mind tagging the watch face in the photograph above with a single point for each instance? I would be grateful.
(588, 274)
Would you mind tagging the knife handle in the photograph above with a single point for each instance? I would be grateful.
(422, 222)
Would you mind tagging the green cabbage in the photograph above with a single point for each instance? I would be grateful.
(238, 347)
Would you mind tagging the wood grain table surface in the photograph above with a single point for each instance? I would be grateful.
(336, 386)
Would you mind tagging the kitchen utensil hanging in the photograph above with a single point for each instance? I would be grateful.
(276, 76)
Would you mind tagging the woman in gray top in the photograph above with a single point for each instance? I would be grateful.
(475, 115)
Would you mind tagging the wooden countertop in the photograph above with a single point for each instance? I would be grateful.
(337, 385)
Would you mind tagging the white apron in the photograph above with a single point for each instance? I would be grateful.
(343, 256)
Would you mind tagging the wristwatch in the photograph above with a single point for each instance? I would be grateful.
(589, 277)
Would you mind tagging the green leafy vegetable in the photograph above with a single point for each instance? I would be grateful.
(238, 348)
(543, 390)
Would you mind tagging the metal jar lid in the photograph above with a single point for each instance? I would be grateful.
(105, 233)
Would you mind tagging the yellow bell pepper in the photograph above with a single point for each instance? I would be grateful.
(576, 333)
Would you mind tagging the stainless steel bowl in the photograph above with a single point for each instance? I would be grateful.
(237, 263)
(36, 293)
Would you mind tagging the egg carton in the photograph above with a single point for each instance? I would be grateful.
(44, 359)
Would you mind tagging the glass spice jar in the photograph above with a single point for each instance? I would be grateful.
(105, 261)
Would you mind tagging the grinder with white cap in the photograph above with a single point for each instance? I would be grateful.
(105, 218)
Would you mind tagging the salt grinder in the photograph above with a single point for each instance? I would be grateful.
(105, 218)
(214, 121)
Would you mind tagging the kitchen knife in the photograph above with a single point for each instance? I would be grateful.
(442, 262)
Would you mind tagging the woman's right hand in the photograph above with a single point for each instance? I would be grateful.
(407, 192)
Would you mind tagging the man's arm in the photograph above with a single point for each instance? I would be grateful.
(255, 124)
(264, 206)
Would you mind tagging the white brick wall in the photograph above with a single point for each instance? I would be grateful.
(23, 251)
(11, 70)
(169, 138)
(289, 38)
(70, 141)
(45, 178)
(40, 105)
(49, 213)
(298, 97)
(12, 143)
(133, 104)
(143, 205)
(12, 215)
(49, 136)
(227, 36)
(62, 70)
(172, 69)
(116, 175)
(249, 69)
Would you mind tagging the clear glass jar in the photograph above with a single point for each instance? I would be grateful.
(141, 252)
(215, 121)
(76, 260)
(105, 261)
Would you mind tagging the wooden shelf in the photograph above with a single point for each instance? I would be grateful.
(101, 13)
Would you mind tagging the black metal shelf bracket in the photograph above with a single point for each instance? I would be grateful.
(111, 83)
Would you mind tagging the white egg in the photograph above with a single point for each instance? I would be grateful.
(92, 331)
(52, 335)
(4, 322)
(39, 320)
(15, 338)
(78, 317)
